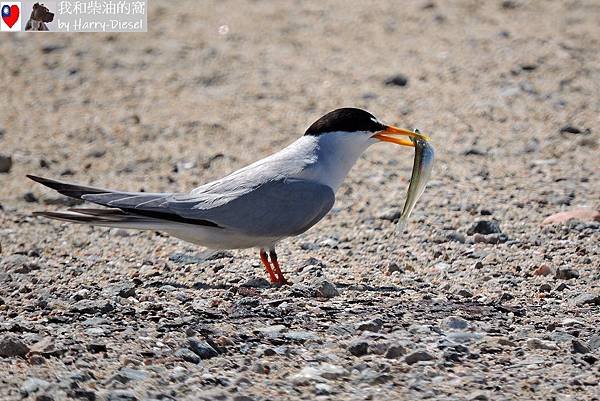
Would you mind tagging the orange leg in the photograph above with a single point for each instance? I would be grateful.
(280, 279)
(265, 262)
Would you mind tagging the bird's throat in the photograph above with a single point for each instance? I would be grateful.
(335, 155)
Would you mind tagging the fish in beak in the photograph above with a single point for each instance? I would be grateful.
(422, 166)
(399, 136)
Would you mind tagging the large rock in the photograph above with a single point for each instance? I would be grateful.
(358, 347)
(187, 355)
(587, 299)
(566, 274)
(123, 290)
(33, 385)
(11, 346)
(373, 325)
(126, 375)
(320, 373)
(536, 343)
(582, 214)
(122, 395)
(456, 323)
(5, 164)
(484, 227)
(18, 264)
(395, 351)
(91, 307)
(202, 348)
(418, 356)
(322, 288)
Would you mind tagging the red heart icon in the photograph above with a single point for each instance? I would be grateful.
(13, 17)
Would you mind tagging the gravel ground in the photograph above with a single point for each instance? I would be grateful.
(477, 299)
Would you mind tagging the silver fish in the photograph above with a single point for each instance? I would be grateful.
(421, 171)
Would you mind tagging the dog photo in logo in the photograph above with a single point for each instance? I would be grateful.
(11, 16)
(40, 17)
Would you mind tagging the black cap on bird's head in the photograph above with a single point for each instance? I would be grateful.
(347, 119)
(350, 119)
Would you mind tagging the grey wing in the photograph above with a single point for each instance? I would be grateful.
(279, 208)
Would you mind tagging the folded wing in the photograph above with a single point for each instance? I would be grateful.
(284, 207)
(278, 208)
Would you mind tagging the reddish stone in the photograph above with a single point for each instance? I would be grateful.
(543, 270)
(583, 214)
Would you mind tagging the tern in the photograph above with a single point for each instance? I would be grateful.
(280, 196)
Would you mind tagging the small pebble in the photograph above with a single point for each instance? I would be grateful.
(536, 343)
(566, 274)
(256, 282)
(395, 352)
(543, 270)
(29, 197)
(570, 129)
(390, 214)
(392, 267)
(456, 323)
(396, 80)
(463, 292)
(455, 236)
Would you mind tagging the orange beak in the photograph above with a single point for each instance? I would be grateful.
(396, 135)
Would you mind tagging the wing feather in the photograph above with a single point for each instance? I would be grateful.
(278, 208)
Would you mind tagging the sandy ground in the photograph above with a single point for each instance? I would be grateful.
(98, 314)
